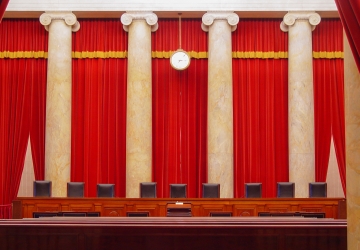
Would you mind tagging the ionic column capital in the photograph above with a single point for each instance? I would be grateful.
(68, 17)
(209, 17)
(291, 17)
(150, 18)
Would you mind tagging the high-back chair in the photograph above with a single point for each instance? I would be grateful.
(178, 191)
(285, 190)
(105, 190)
(75, 189)
(253, 190)
(147, 189)
(211, 190)
(317, 189)
(42, 188)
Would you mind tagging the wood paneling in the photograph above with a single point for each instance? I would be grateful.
(117, 207)
(173, 233)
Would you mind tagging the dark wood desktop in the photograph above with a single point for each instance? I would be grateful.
(23, 207)
(175, 224)
(240, 233)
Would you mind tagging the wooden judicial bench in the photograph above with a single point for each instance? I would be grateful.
(89, 233)
(24, 207)
(174, 224)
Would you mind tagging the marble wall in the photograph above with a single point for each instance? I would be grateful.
(352, 145)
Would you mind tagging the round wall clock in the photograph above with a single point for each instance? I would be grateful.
(180, 60)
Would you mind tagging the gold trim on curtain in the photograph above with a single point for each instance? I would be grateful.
(23, 54)
(99, 54)
(328, 54)
(259, 54)
(167, 54)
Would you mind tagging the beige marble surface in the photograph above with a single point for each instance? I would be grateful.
(220, 105)
(58, 103)
(26, 187)
(301, 102)
(139, 104)
(352, 138)
(334, 185)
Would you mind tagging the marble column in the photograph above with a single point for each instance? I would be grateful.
(352, 146)
(220, 99)
(58, 99)
(301, 99)
(139, 99)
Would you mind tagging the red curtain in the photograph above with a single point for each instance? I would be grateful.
(260, 86)
(349, 11)
(14, 124)
(3, 5)
(329, 97)
(179, 109)
(98, 136)
(22, 113)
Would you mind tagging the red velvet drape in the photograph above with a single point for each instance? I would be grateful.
(329, 97)
(99, 106)
(349, 11)
(3, 5)
(14, 125)
(260, 106)
(179, 109)
(22, 101)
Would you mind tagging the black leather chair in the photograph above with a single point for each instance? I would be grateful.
(178, 191)
(75, 189)
(317, 189)
(105, 190)
(285, 190)
(211, 190)
(42, 188)
(253, 190)
(147, 189)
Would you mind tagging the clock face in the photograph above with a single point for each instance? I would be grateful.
(180, 60)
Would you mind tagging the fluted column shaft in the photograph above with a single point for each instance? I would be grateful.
(352, 139)
(139, 100)
(220, 100)
(301, 99)
(58, 99)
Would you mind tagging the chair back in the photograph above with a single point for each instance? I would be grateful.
(285, 190)
(147, 189)
(75, 189)
(42, 188)
(105, 190)
(211, 190)
(178, 190)
(253, 190)
(317, 189)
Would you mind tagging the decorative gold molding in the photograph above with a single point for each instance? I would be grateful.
(167, 54)
(23, 54)
(328, 54)
(99, 54)
(259, 54)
